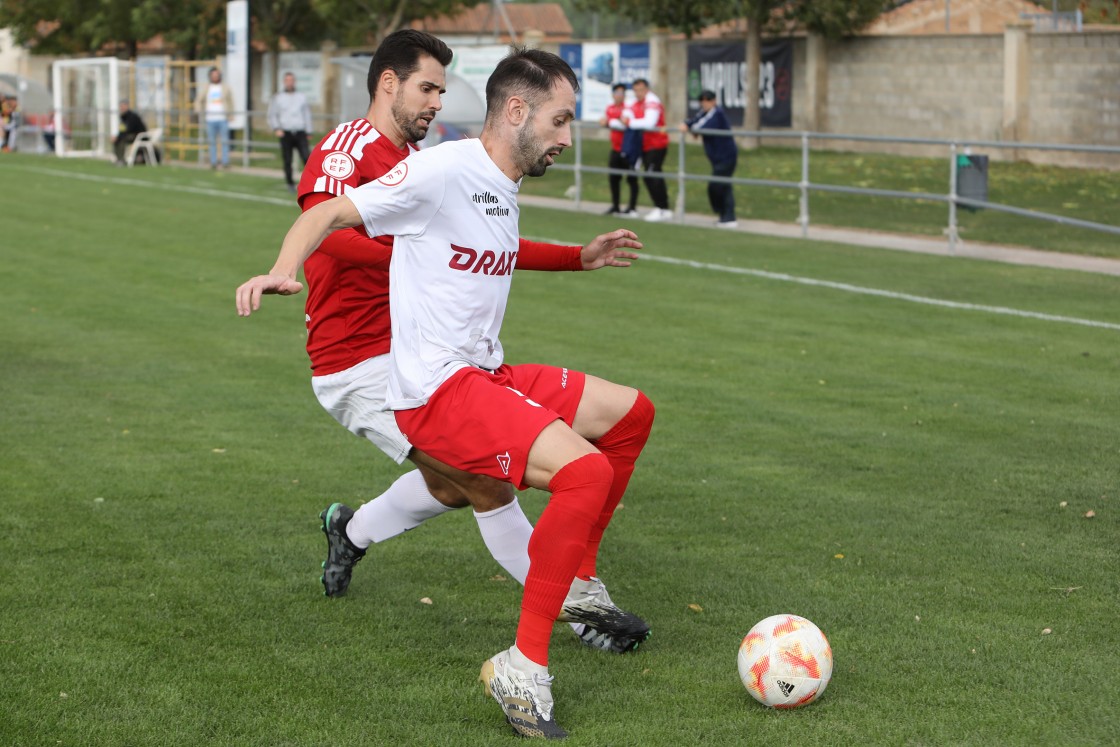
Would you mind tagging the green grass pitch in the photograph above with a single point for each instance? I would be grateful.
(912, 477)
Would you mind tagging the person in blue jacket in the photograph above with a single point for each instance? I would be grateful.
(721, 150)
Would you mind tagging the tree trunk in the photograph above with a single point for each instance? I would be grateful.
(751, 119)
(394, 22)
(274, 53)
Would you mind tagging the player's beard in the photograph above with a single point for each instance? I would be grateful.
(409, 123)
(530, 153)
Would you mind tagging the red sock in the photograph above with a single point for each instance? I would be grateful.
(621, 445)
(559, 538)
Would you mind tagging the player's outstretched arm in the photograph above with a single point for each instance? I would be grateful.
(303, 237)
(610, 250)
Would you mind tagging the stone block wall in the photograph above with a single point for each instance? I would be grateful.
(941, 87)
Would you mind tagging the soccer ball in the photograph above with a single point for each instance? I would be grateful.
(785, 662)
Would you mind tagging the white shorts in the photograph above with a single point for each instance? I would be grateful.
(356, 398)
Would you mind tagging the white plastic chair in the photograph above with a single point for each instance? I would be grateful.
(147, 142)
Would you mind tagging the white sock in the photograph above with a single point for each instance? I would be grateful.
(523, 663)
(506, 532)
(405, 505)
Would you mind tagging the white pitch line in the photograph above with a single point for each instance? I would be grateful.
(883, 293)
(125, 182)
(846, 287)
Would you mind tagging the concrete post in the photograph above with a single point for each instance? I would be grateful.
(816, 83)
(1016, 80)
(659, 65)
(331, 104)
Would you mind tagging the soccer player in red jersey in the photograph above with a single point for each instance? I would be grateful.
(453, 212)
(347, 313)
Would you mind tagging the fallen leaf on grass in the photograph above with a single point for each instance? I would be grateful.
(695, 608)
(1046, 631)
(425, 600)
(1090, 514)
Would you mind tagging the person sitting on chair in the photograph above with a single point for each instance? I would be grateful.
(131, 127)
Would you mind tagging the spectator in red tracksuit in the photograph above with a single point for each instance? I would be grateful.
(613, 119)
(647, 114)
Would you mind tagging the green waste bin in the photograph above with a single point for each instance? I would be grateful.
(972, 178)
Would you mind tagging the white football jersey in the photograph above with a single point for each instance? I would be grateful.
(454, 215)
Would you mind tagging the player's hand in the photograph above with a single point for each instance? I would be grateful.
(249, 293)
(610, 250)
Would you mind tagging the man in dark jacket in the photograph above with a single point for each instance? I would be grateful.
(131, 126)
(721, 151)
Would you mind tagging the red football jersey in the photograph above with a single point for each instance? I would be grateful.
(347, 309)
(652, 113)
(348, 276)
(614, 111)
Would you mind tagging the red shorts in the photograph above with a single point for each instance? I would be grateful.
(485, 423)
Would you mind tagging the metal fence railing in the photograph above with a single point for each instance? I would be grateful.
(89, 131)
(951, 198)
(256, 140)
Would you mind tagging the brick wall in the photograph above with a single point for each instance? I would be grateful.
(933, 87)
(1075, 88)
(952, 87)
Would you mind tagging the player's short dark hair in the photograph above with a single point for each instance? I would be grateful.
(618, 86)
(400, 52)
(529, 73)
(707, 95)
(643, 81)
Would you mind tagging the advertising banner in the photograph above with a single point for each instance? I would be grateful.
(722, 67)
(573, 55)
(474, 64)
(600, 70)
(633, 62)
(597, 66)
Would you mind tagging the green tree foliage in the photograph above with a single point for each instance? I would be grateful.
(294, 20)
(829, 18)
(686, 16)
(1092, 11)
(196, 27)
(836, 18)
(71, 26)
(596, 21)
(367, 22)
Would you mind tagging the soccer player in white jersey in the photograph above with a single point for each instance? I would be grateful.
(453, 211)
(347, 315)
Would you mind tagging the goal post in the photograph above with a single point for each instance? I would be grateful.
(86, 93)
